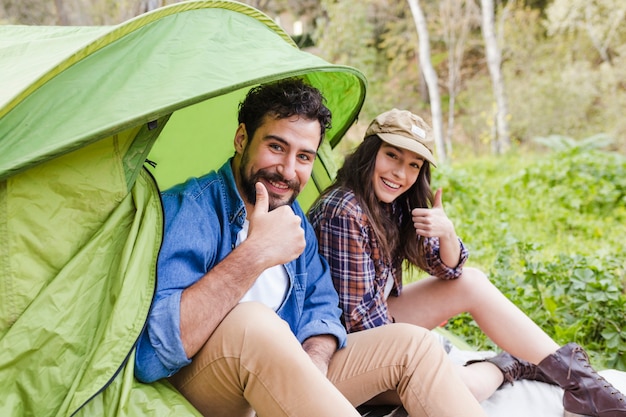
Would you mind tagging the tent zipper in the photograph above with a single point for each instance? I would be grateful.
(152, 181)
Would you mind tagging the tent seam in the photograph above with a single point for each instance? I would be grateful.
(7, 294)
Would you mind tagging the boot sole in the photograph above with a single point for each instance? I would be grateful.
(570, 414)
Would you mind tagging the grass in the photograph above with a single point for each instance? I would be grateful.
(549, 230)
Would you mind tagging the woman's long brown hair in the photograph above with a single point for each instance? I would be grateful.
(393, 228)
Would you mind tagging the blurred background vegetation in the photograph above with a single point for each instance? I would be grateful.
(563, 61)
(547, 218)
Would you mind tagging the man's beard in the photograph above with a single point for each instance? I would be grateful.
(248, 185)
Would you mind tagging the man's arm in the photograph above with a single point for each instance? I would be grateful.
(275, 238)
(321, 349)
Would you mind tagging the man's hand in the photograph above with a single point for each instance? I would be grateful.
(321, 349)
(277, 234)
(274, 238)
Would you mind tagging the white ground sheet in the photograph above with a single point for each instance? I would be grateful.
(529, 398)
(523, 399)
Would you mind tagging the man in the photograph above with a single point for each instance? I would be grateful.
(245, 316)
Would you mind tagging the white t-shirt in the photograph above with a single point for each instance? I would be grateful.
(388, 287)
(271, 286)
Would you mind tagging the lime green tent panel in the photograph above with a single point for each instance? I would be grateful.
(81, 110)
(148, 68)
(78, 272)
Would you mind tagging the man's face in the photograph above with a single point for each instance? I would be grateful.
(280, 155)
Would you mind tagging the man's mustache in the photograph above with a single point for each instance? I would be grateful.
(276, 177)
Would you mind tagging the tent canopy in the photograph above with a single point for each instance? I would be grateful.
(81, 110)
(66, 87)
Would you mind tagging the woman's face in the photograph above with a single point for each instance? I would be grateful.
(396, 170)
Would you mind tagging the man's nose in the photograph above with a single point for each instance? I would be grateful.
(287, 168)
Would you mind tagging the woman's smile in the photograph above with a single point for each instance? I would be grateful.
(390, 184)
(395, 171)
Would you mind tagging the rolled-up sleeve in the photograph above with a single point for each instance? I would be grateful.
(160, 352)
(182, 261)
(436, 267)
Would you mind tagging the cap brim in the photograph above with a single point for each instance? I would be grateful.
(408, 144)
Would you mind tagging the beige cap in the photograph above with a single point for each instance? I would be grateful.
(405, 130)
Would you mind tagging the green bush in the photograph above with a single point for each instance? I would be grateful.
(549, 230)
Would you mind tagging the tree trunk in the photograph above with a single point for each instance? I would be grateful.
(62, 18)
(457, 19)
(430, 76)
(502, 142)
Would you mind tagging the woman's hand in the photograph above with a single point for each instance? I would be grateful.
(433, 222)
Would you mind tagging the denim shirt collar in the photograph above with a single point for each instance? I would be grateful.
(236, 208)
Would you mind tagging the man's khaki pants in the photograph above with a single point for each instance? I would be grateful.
(253, 363)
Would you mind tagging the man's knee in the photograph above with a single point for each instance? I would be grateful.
(398, 337)
(253, 325)
(407, 331)
(245, 336)
(250, 313)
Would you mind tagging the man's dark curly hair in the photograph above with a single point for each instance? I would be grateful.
(282, 99)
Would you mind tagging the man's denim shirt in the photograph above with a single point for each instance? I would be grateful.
(202, 219)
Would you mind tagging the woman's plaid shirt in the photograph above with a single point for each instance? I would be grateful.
(359, 272)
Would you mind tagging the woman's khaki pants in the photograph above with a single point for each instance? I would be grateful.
(253, 362)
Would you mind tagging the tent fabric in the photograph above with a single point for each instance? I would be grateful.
(72, 313)
(144, 69)
(81, 110)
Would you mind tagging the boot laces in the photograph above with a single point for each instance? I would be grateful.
(585, 359)
(573, 357)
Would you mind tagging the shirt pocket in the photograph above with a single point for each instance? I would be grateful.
(291, 309)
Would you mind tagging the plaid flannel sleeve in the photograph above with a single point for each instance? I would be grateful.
(436, 267)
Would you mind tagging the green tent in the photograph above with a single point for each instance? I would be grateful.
(81, 111)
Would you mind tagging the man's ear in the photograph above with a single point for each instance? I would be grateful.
(241, 138)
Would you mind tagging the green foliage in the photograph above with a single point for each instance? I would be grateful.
(561, 143)
(555, 77)
(549, 230)
(563, 61)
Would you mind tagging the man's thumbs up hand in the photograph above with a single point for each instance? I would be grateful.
(277, 233)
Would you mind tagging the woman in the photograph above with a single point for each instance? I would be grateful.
(380, 212)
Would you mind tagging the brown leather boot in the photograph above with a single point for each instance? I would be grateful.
(587, 394)
(515, 369)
